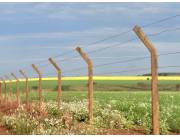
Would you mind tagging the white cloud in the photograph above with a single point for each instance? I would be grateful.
(100, 32)
(74, 11)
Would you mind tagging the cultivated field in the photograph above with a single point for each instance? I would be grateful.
(120, 107)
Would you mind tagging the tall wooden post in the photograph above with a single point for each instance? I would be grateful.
(26, 85)
(59, 99)
(39, 85)
(17, 87)
(90, 82)
(154, 82)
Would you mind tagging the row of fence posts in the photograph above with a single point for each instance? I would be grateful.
(154, 82)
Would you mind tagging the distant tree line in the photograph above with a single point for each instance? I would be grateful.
(164, 74)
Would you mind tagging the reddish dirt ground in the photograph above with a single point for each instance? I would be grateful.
(7, 109)
(123, 132)
(3, 131)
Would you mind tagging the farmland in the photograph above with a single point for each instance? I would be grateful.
(89, 69)
(118, 106)
(104, 84)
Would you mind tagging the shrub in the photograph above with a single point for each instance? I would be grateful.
(177, 87)
(108, 118)
(142, 84)
(34, 87)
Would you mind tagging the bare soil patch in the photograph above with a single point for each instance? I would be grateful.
(3, 130)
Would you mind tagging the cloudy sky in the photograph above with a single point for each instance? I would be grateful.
(33, 32)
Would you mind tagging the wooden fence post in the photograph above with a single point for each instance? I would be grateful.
(26, 85)
(39, 85)
(17, 88)
(59, 99)
(154, 82)
(10, 86)
(90, 82)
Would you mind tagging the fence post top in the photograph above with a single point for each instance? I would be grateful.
(15, 76)
(77, 48)
(50, 58)
(140, 33)
(54, 64)
(37, 70)
(84, 56)
(136, 28)
(23, 73)
(34, 67)
(12, 74)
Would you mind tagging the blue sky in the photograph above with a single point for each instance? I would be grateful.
(31, 32)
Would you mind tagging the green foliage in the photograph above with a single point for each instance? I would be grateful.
(101, 85)
(20, 122)
(111, 111)
(115, 109)
(108, 118)
(135, 107)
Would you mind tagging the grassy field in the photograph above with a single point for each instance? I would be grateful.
(134, 106)
(130, 98)
(102, 85)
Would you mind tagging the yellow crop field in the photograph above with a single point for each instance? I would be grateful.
(106, 78)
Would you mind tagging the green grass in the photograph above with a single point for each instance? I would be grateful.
(106, 85)
(135, 104)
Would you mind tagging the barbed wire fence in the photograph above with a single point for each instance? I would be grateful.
(131, 64)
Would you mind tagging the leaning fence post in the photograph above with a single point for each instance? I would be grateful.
(26, 84)
(90, 81)
(154, 73)
(17, 88)
(59, 80)
(10, 86)
(40, 85)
